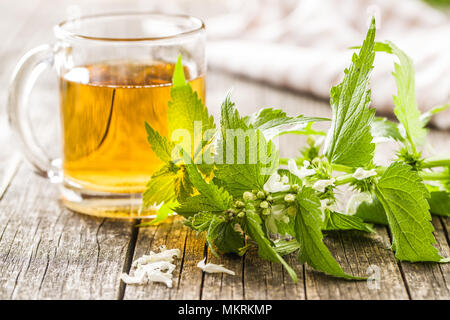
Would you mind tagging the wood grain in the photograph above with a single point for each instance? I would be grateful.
(356, 252)
(48, 252)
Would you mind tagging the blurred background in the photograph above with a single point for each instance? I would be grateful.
(298, 47)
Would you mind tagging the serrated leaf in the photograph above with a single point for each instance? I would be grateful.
(187, 116)
(308, 229)
(406, 109)
(241, 163)
(200, 221)
(224, 237)
(162, 214)
(265, 250)
(339, 221)
(230, 117)
(247, 170)
(273, 122)
(382, 128)
(160, 145)
(217, 197)
(426, 117)
(349, 141)
(160, 188)
(195, 204)
(284, 247)
(183, 187)
(178, 78)
(404, 198)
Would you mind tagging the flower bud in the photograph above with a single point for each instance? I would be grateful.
(248, 196)
(269, 198)
(241, 214)
(261, 195)
(239, 204)
(285, 219)
(266, 211)
(292, 211)
(264, 205)
(289, 197)
(296, 187)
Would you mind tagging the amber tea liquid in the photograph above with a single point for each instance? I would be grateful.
(104, 107)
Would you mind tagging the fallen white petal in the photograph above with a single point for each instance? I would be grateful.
(133, 279)
(164, 255)
(213, 268)
(158, 276)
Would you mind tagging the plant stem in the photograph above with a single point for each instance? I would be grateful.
(435, 162)
(342, 168)
(434, 176)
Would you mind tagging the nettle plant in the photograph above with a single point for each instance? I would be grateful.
(230, 182)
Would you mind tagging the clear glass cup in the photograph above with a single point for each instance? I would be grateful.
(114, 74)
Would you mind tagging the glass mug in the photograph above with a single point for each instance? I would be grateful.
(114, 74)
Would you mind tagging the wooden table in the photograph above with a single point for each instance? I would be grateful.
(49, 252)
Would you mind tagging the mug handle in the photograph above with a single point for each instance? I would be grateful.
(24, 76)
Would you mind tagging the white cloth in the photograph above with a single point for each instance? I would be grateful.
(304, 45)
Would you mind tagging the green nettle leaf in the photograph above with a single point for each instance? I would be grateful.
(284, 247)
(349, 141)
(196, 204)
(162, 214)
(224, 237)
(383, 128)
(216, 196)
(404, 198)
(244, 159)
(186, 111)
(160, 145)
(372, 212)
(440, 203)
(230, 117)
(160, 188)
(308, 233)
(426, 117)
(200, 221)
(253, 227)
(339, 221)
(273, 122)
(405, 102)
(182, 185)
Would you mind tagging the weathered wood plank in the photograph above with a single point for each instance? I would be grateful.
(47, 252)
(187, 277)
(356, 252)
(224, 286)
(267, 280)
(430, 281)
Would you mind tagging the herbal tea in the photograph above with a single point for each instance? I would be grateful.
(103, 108)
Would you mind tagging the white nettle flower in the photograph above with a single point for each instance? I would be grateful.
(356, 200)
(303, 172)
(361, 174)
(320, 185)
(327, 204)
(213, 268)
(276, 184)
